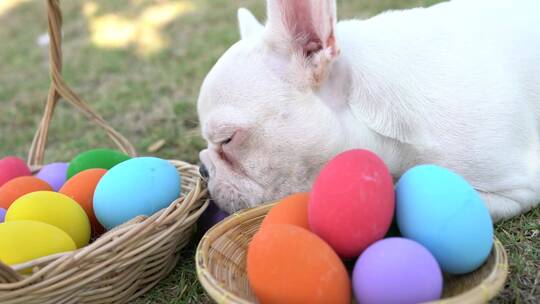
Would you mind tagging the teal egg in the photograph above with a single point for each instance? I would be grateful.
(442, 211)
(139, 186)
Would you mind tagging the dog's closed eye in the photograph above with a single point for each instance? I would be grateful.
(223, 139)
(229, 142)
(226, 141)
(221, 136)
(224, 150)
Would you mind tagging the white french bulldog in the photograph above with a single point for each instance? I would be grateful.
(456, 84)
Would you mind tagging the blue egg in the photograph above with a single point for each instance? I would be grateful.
(441, 210)
(138, 186)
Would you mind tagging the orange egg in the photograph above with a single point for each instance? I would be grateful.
(289, 264)
(290, 210)
(20, 186)
(81, 188)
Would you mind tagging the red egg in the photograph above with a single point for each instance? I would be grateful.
(352, 202)
(12, 167)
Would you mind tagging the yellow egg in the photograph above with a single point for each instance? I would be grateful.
(53, 208)
(23, 241)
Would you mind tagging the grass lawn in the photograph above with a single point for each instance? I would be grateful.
(142, 75)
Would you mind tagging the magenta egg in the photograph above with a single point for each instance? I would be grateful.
(12, 167)
(397, 270)
(352, 202)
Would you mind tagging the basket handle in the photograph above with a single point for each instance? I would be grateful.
(59, 89)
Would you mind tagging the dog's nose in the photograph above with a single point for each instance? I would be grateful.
(203, 171)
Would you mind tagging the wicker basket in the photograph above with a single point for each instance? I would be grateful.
(221, 264)
(123, 263)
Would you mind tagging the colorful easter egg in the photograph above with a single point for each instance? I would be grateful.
(81, 188)
(54, 174)
(441, 210)
(352, 202)
(210, 217)
(12, 167)
(98, 158)
(139, 186)
(289, 264)
(20, 186)
(23, 241)
(290, 210)
(397, 270)
(53, 208)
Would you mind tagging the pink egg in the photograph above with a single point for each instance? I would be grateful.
(352, 202)
(12, 167)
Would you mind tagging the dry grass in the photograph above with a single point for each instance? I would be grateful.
(147, 87)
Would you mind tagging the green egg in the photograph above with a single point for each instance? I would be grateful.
(98, 158)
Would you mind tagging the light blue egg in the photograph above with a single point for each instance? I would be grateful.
(139, 186)
(440, 210)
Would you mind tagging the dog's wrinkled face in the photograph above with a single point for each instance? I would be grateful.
(267, 129)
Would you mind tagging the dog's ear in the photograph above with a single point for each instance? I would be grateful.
(305, 28)
(248, 24)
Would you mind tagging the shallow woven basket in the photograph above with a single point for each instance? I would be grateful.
(221, 264)
(123, 263)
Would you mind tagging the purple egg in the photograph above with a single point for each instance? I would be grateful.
(2, 214)
(54, 174)
(211, 216)
(396, 270)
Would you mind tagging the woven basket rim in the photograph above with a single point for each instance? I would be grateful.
(483, 292)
